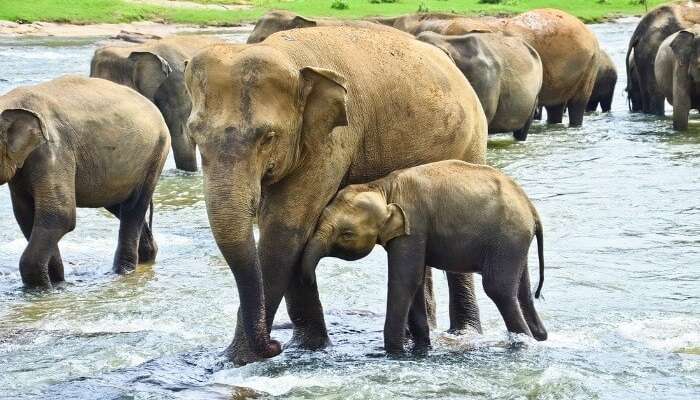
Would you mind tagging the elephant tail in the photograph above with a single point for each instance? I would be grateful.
(540, 254)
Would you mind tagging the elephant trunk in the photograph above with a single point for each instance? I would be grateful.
(184, 150)
(681, 96)
(232, 197)
(313, 253)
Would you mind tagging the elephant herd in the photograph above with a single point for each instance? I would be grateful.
(332, 136)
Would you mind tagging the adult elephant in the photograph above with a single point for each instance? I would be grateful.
(283, 124)
(505, 72)
(568, 49)
(605, 81)
(80, 142)
(155, 69)
(277, 21)
(653, 29)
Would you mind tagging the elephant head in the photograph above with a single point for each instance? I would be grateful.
(276, 21)
(686, 48)
(254, 112)
(351, 225)
(686, 74)
(21, 131)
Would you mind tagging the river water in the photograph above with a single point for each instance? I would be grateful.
(620, 202)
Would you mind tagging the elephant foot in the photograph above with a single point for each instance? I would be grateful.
(240, 354)
(148, 249)
(308, 341)
(123, 267)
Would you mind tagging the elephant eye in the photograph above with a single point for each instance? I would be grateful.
(347, 235)
(268, 137)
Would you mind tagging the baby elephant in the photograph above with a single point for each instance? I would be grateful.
(677, 71)
(79, 142)
(451, 215)
(605, 81)
(505, 72)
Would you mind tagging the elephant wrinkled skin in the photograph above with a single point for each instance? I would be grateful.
(605, 81)
(283, 124)
(80, 142)
(653, 29)
(677, 73)
(505, 72)
(452, 215)
(567, 48)
(155, 69)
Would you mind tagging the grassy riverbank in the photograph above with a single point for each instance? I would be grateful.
(119, 11)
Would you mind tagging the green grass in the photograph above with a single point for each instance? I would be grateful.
(112, 11)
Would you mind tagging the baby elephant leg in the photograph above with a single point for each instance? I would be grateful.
(528, 308)
(501, 279)
(406, 270)
(418, 322)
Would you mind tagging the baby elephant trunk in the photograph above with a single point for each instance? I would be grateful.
(315, 250)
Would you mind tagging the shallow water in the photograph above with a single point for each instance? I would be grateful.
(620, 201)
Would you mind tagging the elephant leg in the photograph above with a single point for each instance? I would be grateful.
(537, 116)
(429, 297)
(406, 256)
(606, 103)
(147, 245)
(555, 113)
(502, 288)
(592, 104)
(521, 134)
(464, 309)
(528, 308)
(418, 325)
(287, 218)
(576, 110)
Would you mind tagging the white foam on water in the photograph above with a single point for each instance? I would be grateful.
(275, 386)
(668, 334)
(109, 325)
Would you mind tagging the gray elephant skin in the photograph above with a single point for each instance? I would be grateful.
(80, 142)
(567, 47)
(302, 119)
(605, 81)
(155, 69)
(658, 24)
(677, 73)
(279, 20)
(505, 72)
(452, 215)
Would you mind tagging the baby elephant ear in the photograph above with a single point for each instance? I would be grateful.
(682, 46)
(396, 224)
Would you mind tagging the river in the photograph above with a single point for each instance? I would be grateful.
(620, 203)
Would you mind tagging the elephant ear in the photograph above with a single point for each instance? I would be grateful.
(323, 99)
(682, 46)
(23, 130)
(397, 224)
(150, 71)
(301, 22)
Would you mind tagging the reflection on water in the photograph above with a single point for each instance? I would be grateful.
(621, 211)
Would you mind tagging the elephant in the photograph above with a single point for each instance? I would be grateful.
(300, 119)
(652, 30)
(505, 72)
(605, 81)
(434, 22)
(567, 48)
(155, 69)
(279, 20)
(80, 142)
(452, 215)
(677, 69)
